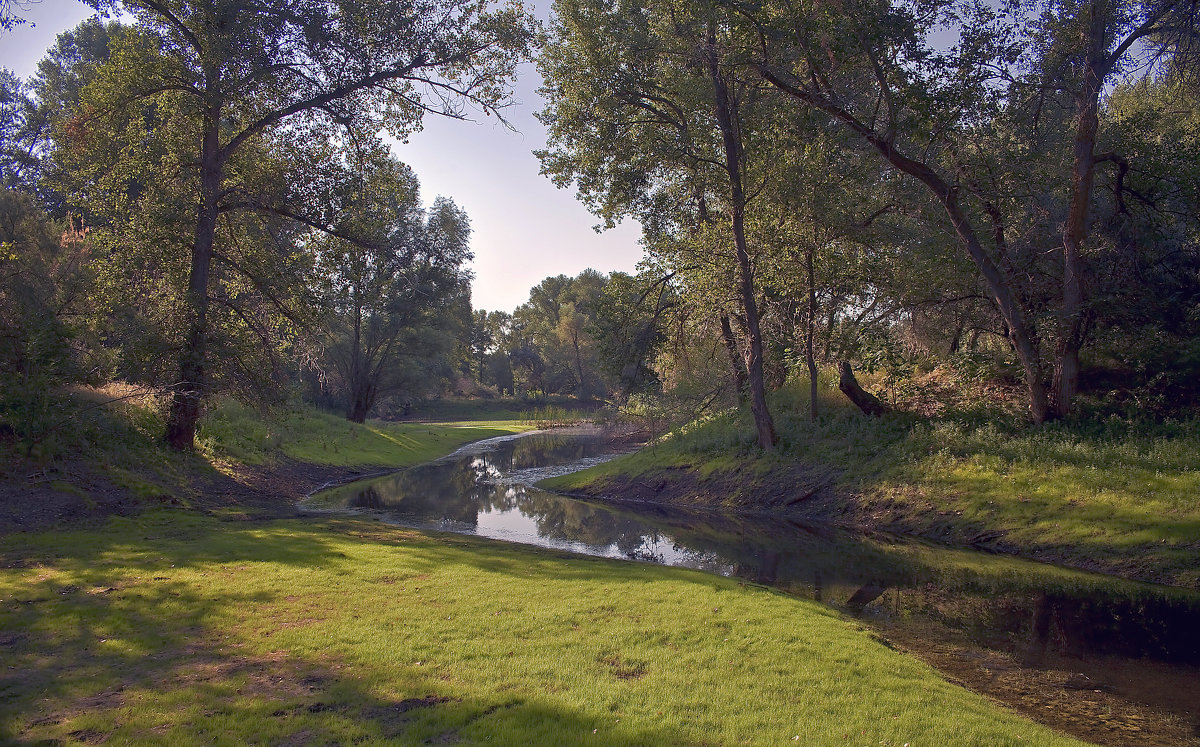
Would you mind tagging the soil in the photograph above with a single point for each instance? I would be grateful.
(1121, 702)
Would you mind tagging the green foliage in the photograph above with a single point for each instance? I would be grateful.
(18, 126)
(46, 328)
(628, 322)
(172, 627)
(549, 339)
(904, 198)
(558, 409)
(201, 147)
(392, 286)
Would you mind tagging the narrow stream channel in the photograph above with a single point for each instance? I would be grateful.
(1107, 660)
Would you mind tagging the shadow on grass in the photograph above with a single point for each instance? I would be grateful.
(101, 642)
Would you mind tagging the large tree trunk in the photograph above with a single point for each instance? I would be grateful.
(358, 376)
(861, 398)
(1075, 229)
(723, 108)
(187, 399)
(362, 399)
(1020, 333)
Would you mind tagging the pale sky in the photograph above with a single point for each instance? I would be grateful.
(525, 229)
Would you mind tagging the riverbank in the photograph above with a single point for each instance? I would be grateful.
(176, 627)
(215, 618)
(107, 460)
(1116, 497)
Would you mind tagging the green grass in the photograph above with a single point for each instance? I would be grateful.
(236, 432)
(117, 437)
(555, 410)
(108, 442)
(174, 628)
(1116, 495)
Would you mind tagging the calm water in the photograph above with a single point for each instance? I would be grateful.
(1032, 612)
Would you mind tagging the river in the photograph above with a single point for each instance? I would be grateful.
(1107, 660)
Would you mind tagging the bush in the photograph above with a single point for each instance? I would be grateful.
(44, 284)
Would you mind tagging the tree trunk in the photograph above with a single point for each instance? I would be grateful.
(360, 378)
(862, 399)
(1075, 229)
(187, 399)
(810, 329)
(723, 106)
(956, 338)
(582, 391)
(362, 399)
(1022, 336)
(740, 379)
(1021, 333)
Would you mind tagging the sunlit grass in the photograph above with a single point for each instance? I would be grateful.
(173, 628)
(236, 432)
(554, 409)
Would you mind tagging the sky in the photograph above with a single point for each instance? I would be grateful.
(524, 228)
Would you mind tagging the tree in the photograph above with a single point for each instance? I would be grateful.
(481, 342)
(933, 115)
(550, 336)
(9, 18)
(1146, 297)
(17, 136)
(45, 282)
(628, 323)
(391, 279)
(488, 331)
(235, 76)
(28, 108)
(651, 114)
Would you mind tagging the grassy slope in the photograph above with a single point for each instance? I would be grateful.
(555, 409)
(1105, 495)
(308, 435)
(108, 457)
(175, 628)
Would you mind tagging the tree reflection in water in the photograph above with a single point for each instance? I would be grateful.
(1025, 609)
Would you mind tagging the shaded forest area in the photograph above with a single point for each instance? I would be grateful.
(978, 207)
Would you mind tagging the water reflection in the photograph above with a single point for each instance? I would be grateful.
(1025, 608)
(1131, 651)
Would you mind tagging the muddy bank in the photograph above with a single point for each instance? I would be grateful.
(814, 494)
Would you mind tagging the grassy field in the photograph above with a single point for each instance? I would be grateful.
(1115, 495)
(241, 434)
(555, 410)
(174, 628)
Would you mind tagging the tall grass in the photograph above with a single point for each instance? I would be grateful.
(533, 410)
